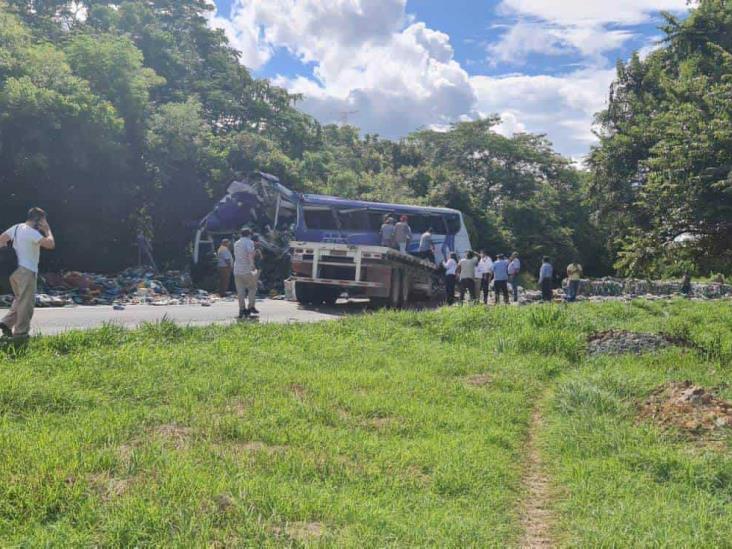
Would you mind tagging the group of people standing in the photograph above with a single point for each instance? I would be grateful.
(477, 273)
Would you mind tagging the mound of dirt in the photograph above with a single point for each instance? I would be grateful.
(688, 407)
(615, 342)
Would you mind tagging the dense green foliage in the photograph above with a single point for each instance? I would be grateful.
(243, 435)
(662, 175)
(137, 116)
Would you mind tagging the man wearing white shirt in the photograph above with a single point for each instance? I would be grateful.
(27, 239)
(245, 274)
(514, 268)
(484, 271)
(450, 265)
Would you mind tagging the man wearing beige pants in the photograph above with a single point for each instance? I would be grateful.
(27, 239)
(245, 274)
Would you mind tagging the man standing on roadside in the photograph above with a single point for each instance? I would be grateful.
(450, 265)
(225, 262)
(402, 234)
(514, 268)
(485, 271)
(245, 274)
(466, 274)
(500, 278)
(27, 239)
(574, 275)
(546, 273)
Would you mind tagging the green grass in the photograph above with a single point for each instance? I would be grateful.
(367, 430)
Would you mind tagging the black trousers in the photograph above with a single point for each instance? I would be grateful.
(547, 291)
(468, 285)
(501, 289)
(450, 289)
(485, 287)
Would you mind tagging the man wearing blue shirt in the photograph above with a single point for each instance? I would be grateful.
(546, 273)
(500, 278)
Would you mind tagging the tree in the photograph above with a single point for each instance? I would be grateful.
(662, 173)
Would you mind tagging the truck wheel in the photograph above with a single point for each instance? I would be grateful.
(329, 296)
(397, 280)
(305, 293)
(405, 288)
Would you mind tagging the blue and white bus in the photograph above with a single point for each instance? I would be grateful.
(262, 203)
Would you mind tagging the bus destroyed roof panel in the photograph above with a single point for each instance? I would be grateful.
(333, 201)
(251, 201)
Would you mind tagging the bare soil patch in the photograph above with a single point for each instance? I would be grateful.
(108, 487)
(238, 407)
(299, 391)
(691, 408)
(254, 446)
(172, 433)
(301, 531)
(615, 342)
(479, 380)
(536, 517)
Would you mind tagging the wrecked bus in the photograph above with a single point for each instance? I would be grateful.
(280, 215)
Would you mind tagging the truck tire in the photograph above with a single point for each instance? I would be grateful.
(329, 296)
(305, 293)
(405, 288)
(397, 279)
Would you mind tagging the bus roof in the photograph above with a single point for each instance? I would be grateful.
(333, 201)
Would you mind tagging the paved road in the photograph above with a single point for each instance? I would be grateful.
(53, 321)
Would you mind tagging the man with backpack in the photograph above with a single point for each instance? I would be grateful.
(24, 242)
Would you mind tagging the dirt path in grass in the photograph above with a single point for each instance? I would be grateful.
(536, 518)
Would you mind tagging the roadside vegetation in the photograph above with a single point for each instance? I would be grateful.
(391, 429)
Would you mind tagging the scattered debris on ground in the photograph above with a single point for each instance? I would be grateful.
(616, 342)
(133, 286)
(688, 407)
(626, 289)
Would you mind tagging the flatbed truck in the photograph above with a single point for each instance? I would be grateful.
(322, 272)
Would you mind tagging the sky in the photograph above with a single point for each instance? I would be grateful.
(394, 66)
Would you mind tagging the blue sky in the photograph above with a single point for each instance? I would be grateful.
(399, 65)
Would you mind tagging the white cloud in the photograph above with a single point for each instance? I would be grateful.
(391, 75)
(591, 12)
(556, 27)
(562, 107)
(244, 34)
(368, 57)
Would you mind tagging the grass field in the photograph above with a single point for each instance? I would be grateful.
(394, 429)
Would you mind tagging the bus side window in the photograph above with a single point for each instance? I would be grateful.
(353, 220)
(419, 223)
(376, 220)
(320, 218)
